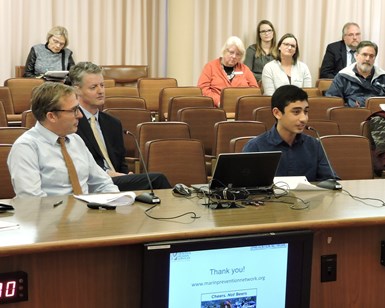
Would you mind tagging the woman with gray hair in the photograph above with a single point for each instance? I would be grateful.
(226, 71)
(51, 56)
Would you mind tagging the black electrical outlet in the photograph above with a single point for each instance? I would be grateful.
(328, 268)
(382, 260)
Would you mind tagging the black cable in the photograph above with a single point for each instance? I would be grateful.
(193, 215)
(362, 200)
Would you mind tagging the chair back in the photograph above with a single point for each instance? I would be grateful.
(373, 103)
(21, 92)
(125, 75)
(224, 131)
(237, 144)
(247, 103)
(6, 191)
(318, 106)
(109, 83)
(124, 102)
(323, 84)
(229, 97)
(179, 102)
(180, 160)
(312, 91)
(130, 118)
(28, 120)
(349, 155)
(201, 121)
(161, 130)
(167, 93)
(19, 71)
(349, 119)
(120, 91)
(149, 89)
(264, 115)
(323, 127)
(8, 135)
(3, 116)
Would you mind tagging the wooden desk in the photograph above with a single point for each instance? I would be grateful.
(77, 257)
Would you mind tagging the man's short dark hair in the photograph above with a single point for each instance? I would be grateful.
(285, 95)
(363, 44)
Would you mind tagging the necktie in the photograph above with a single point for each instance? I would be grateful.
(352, 52)
(71, 168)
(100, 142)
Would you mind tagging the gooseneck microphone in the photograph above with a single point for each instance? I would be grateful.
(329, 183)
(150, 197)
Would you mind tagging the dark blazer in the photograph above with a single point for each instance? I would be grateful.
(334, 60)
(113, 137)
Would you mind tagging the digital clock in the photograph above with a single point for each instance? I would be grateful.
(13, 287)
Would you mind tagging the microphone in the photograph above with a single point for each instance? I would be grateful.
(150, 197)
(329, 183)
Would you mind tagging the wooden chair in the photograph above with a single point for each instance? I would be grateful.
(5, 97)
(161, 130)
(19, 71)
(349, 155)
(312, 91)
(8, 135)
(125, 75)
(167, 93)
(264, 115)
(109, 83)
(124, 102)
(28, 120)
(323, 84)
(185, 163)
(21, 92)
(224, 131)
(3, 116)
(237, 144)
(130, 118)
(149, 89)
(180, 102)
(373, 103)
(121, 91)
(6, 191)
(349, 119)
(318, 106)
(324, 127)
(247, 103)
(229, 98)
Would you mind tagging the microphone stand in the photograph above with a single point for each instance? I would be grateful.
(329, 183)
(150, 197)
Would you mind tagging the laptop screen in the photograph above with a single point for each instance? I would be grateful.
(250, 170)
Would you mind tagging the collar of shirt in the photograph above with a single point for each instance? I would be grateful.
(89, 114)
(362, 77)
(276, 139)
(48, 135)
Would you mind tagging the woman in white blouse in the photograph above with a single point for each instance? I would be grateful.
(286, 68)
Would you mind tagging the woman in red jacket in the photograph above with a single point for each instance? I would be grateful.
(226, 71)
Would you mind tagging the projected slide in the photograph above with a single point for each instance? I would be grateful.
(233, 277)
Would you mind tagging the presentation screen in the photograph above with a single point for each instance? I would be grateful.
(260, 270)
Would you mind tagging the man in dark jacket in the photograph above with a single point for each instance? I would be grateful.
(340, 54)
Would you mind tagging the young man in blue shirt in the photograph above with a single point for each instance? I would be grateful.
(302, 155)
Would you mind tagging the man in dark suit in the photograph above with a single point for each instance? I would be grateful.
(103, 134)
(341, 53)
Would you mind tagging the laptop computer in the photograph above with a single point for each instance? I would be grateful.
(253, 171)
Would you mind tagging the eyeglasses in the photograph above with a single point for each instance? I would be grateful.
(289, 45)
(234, 53)
(57, 42)
(75, 110)
(265, 31)
(365, 55)
(353, 34)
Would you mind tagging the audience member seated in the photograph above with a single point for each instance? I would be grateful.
(103, 134)
(264, 49)
(286, 69)
(377, 137)
(226, 71)
(360, 80)
(302, 155)
(51, 56)
(341, 53)
(40, 160)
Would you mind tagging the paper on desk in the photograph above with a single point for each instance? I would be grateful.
(295, 183)
(5, 225)
(124, 198)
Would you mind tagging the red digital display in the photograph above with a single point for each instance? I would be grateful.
(13, 287)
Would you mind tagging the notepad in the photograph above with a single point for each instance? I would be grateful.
(124, 198)
(295, 183)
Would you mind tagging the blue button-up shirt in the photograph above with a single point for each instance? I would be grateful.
(304, 157)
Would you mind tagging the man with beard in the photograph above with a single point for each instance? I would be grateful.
(360, 80)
